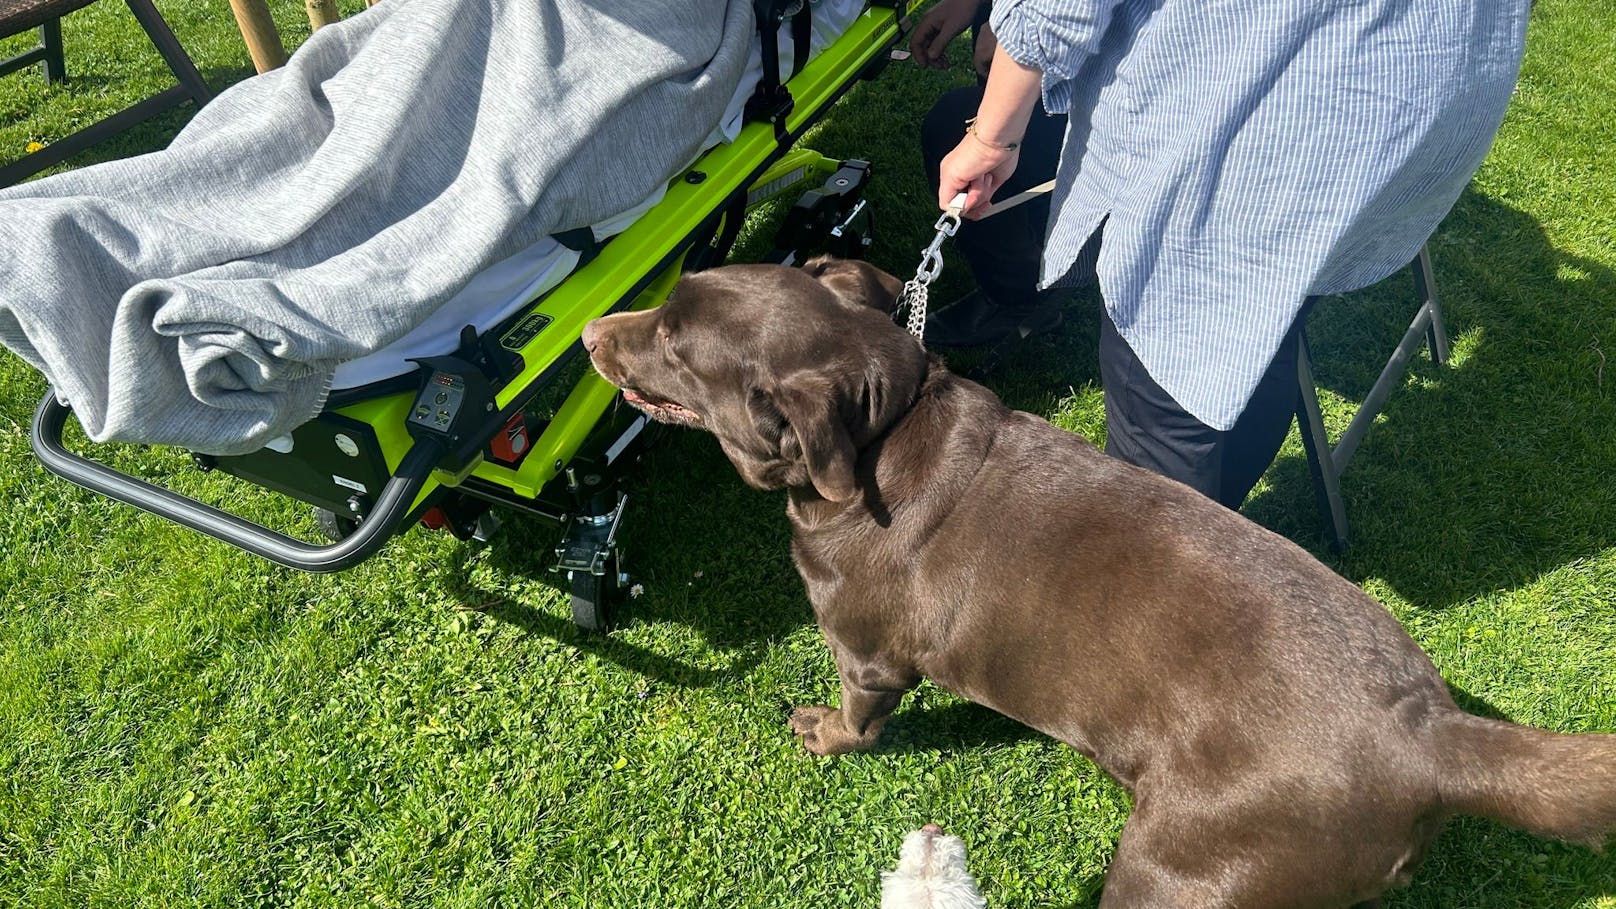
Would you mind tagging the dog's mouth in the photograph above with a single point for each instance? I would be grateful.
(661, 409)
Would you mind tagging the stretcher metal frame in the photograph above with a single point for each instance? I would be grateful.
(422, 447)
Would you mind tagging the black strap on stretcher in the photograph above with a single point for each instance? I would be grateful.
(580, 240)
(771, 100)
(802, 37)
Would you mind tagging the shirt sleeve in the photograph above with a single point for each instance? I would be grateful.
(1052, 36)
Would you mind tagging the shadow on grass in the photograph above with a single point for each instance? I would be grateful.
(1472, 704)
(641, 660)
(709, 553)
(1490, 472)
(953, 727)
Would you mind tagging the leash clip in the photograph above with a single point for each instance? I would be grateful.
(931, 265)
(931, 259)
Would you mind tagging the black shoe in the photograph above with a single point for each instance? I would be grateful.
(976, 320)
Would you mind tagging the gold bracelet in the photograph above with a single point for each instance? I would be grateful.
(970, 130)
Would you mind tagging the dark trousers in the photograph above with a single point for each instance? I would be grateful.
(1145, 426)
(1004, 251)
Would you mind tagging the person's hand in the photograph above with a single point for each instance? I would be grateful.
(977, 169)
(939, 26)
(986, 157)
(986, 45)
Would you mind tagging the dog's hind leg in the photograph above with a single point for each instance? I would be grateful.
(1172, 855)
(1147, 874)
(871, 690)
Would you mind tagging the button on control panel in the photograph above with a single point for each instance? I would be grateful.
(439, 403)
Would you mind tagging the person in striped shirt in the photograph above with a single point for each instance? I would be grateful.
(1238, 159)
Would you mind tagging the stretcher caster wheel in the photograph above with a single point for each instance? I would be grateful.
(333, 526)
(588, 556)
(594, 595)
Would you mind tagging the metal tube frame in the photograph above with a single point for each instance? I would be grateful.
(1328, 463)
(392, 506)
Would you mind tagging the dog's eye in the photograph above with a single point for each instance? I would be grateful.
(666, 347)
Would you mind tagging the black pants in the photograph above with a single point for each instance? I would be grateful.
(1145, 426)
(1003, 251)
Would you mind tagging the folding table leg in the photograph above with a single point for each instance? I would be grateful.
(1326, 479)
(169, 46)
(1425, 290)
(53, 63)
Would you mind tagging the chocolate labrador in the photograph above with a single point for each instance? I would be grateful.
(1287, 744)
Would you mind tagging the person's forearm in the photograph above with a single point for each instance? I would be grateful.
(1007, 101)
(987, 155)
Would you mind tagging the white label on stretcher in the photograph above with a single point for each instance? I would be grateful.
(355, 485)
(623, 440)
(774, 186)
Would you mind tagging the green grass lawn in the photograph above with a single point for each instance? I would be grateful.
(181, 724)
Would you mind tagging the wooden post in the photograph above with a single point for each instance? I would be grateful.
(258, 30)
(322, 13)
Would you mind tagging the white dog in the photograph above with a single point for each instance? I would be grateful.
(931, 874)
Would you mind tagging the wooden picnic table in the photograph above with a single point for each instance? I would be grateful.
(258, 29)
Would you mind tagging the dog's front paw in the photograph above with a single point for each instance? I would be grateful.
(811, 724)
(824, 731)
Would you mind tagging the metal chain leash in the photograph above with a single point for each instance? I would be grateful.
(931, 265)
(913, 297)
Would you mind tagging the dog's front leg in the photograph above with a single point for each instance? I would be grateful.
(871, 690)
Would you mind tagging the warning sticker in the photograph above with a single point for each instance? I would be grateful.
(524, 331)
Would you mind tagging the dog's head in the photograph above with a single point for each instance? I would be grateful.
(794, 370)
(931, 873)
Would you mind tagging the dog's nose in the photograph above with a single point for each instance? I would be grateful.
(932, 829)
(595, 335)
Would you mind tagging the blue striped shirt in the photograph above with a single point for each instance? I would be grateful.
(1243, 155)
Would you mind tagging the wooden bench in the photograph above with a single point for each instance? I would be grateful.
(18, 16)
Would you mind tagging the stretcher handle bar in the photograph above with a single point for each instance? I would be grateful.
(396, 498)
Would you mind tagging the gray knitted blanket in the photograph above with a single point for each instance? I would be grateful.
(202, 295)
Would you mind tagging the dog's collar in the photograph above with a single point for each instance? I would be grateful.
(928, 386)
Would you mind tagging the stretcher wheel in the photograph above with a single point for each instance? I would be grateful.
(333, 526)
(593, 596)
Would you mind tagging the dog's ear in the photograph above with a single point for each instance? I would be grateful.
(815, 435)
(855, 282)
